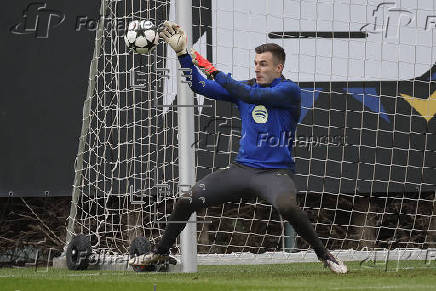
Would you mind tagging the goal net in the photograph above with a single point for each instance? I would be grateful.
(364, 148)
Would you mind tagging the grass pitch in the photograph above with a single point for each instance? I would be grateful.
(297, 276)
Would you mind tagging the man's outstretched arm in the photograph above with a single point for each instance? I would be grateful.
(176, 38)
(201, 85)
(286, 94)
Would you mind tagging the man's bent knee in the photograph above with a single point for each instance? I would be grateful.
(286, 205)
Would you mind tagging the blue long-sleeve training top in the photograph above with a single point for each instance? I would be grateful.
(269, 114)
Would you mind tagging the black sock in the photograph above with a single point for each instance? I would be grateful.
(182, 211)
(300, 222)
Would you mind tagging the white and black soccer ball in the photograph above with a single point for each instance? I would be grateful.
(141, 36)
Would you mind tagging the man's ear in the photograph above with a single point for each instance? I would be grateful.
(280, 67)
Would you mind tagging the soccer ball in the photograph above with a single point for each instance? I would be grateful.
(141, 36)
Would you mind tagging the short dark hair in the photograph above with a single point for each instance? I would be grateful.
(277, 51)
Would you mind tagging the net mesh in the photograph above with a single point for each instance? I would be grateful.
(365, 147)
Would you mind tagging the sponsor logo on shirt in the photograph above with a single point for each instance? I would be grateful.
(260, 114)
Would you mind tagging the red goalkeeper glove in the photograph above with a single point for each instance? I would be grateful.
(203, 64)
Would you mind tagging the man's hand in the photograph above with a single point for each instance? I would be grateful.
(203, 64)
(174, 35)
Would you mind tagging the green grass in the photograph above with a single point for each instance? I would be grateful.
(297, 276)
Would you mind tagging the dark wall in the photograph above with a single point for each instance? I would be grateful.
(44, 79)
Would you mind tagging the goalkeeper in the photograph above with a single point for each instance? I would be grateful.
(269, 106)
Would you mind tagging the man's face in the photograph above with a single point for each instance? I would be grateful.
(266, 68)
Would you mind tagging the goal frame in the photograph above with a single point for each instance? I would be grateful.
(186, 138)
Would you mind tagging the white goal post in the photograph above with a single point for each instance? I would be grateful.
(365, 147)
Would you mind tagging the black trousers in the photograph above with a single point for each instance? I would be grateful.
(239, 181)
